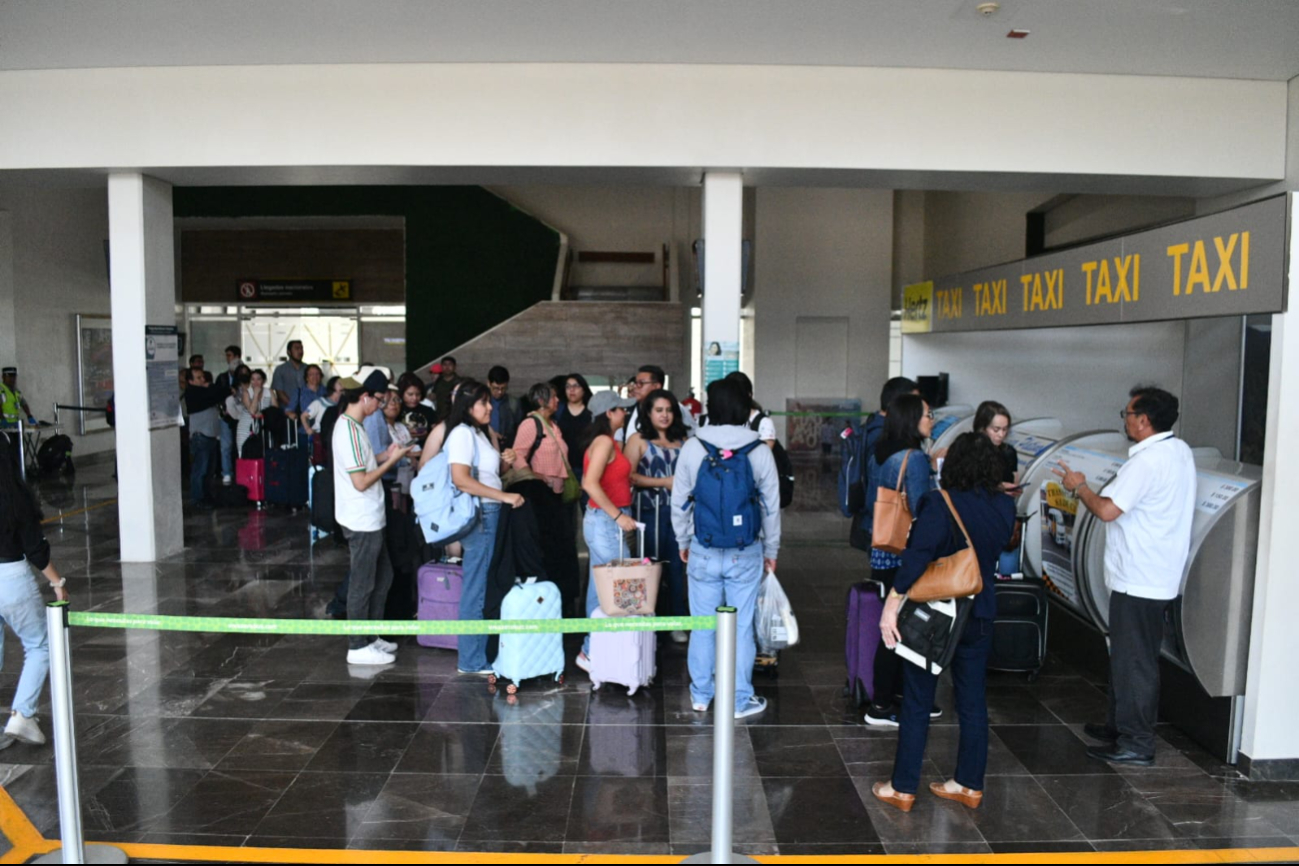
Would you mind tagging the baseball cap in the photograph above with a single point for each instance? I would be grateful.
(605, 400)
(367, 379)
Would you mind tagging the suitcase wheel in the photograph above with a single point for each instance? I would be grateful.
(491, 688)
(559, 678)
(491, 679)
(1032, 676)
(631, 691)
(512, 689)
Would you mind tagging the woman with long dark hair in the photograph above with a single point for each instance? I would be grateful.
(906, 427)
(993, 420)
(476, 470)
(417, 417)
(23, 547)
(759, 421)
(653, 451)
(606, 480)
(972, 477)
(573, 416)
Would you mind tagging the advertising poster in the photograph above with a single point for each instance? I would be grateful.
(720, 360)
(162, 372)
(813, 424)
(1059, 513)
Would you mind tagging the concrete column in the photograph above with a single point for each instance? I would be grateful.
(8, 338)
(144, 292)
(1271, 737)
(723, 234)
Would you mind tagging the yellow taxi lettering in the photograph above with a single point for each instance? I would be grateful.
(1176, 251)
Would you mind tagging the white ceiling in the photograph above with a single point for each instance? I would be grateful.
(1255, 39)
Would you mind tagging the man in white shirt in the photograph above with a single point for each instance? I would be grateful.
(359, 510)
(1148, 509)
(648, 380)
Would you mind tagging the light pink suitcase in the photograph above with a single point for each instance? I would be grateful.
(623, 657)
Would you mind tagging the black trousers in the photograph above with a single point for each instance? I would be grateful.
(888, 664)
(1136, 635)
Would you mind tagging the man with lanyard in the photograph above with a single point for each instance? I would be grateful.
(289, 377)
(1147, 509)
(14, 406)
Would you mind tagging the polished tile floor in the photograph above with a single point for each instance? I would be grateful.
(275, 741)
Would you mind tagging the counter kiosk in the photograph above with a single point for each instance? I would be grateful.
(949, 422)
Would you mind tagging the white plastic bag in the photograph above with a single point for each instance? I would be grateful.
(774, 622)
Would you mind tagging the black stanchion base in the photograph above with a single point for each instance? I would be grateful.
(94, 854)
(707, 857)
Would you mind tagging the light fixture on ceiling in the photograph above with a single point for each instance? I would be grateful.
(1018, 34)
(987, 10)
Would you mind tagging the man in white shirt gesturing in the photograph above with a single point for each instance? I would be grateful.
(1147, 509)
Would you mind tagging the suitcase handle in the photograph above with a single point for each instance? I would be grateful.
(622, 541)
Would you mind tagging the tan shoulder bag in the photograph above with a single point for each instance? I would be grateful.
(892, 515)
(955, 576)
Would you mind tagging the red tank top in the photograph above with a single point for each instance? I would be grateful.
(616, 480)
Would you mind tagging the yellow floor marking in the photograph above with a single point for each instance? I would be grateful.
(66, 514)
(27, 841)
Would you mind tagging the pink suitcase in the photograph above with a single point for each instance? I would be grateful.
(252, 474)
(623, 657)
(439, 600)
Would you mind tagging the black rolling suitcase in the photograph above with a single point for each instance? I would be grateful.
(322, 501)
(286, 470)
(1019, 634)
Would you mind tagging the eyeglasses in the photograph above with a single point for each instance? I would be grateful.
(929, 415)
(1124, 413)
(644, 382)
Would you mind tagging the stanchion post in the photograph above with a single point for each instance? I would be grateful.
(22, 451)
(65, 749)
(723, 745)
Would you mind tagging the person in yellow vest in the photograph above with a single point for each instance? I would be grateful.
(12, 405)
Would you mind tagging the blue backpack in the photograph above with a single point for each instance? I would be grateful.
(443, 511)
(728, 509)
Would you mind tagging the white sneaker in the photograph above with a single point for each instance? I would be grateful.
(24, 730)
(583, 662)
(369, 655)
(385, 645)
(226, 480)
(484, 672)
(698, 707)
(752, 708)
(680, 637)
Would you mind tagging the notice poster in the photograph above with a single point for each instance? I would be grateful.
(814, 425)
(720, 360)
(162, 372)
(1059, 515)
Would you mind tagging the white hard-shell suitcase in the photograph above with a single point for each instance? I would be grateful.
(623, 657)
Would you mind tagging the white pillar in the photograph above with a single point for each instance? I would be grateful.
(143, 280)
(723, 234)
(1271, 737)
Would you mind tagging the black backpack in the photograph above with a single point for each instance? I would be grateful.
(55, 455)
(784, 466)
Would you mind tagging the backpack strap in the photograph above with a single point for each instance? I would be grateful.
(902, 473)
(952, 508)
(757, 421)
(536, 443)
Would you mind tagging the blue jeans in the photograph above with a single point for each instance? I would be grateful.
(605, 542)
(227, 450)
(661, 546)
(720, 577)
(479, 545)
(201, 451)
(969, 669)
(23, 610)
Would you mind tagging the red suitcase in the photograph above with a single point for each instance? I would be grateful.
(252, 474)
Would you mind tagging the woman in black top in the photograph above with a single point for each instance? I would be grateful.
(972, 476)
(573, 417)
(22, 547)
(418, 418)
(993, 420)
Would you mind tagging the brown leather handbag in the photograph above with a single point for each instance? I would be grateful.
(892, 515)
(955, 576)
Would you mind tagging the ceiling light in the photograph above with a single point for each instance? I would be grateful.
(987, 9)
(1018, 34)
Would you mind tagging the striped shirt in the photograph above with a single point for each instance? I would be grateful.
(357, 510)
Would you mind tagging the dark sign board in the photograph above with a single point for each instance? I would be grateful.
(302, 291)
(1228, 264)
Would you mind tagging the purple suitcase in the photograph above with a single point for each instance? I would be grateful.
(864, 609)
(623, 657)
(439, 600)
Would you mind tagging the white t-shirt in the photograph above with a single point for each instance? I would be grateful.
(766, 427)
(1146, 548)
(358, 510)
(460, 449)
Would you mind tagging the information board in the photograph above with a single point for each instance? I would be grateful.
(162, 372)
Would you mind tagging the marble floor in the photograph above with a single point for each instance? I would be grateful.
(275, 741)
